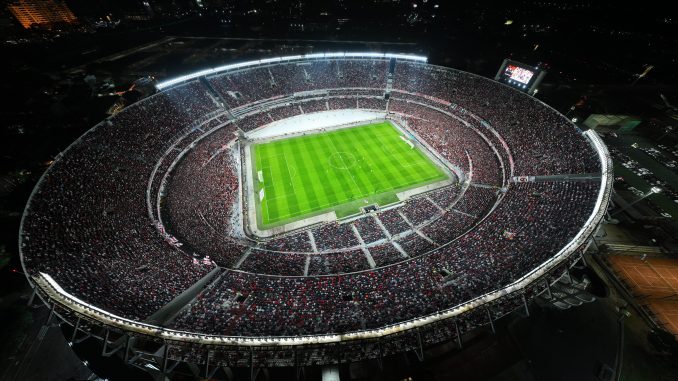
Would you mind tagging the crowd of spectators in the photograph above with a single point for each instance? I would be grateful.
(266, 262)
(385, 254)
(415, 245)
(243, 87)
(393, 221)
(88, 225)
(372, 103)
(314, 106)
(542, 142)
(445, 197)
(369, 230)
(476, 200)
(338, 263)
(342, 103)
(253, 121)
(452, 139)
(420, 210)
(334, 236)
(202, 197)
(448, 227)
(297, 243)
(284, 112)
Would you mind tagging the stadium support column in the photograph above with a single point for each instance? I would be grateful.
(419, 351)
(330, 373)
(489, 317)
(51, 314)
(75, 329)
(527, 310)
(456, 328)
(30, 300)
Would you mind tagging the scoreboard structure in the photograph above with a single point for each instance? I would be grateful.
(519, 75)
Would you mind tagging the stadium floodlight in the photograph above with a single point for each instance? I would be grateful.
(171, 82)
(365, 54)
(269, 60)
(406, 57)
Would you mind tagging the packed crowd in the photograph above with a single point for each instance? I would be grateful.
(452, 140)
(334, 236)
(266, 262)
(314, 106)
(298, 243)
(549, 215)
(420, 210)
(88, 225)
(369, 230)
(385, 254)
(542, 142)
(338, 263)
(247, 86)
(202, 195)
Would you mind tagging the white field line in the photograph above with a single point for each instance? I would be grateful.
(317, 207)
(340, 201)
(350, 173)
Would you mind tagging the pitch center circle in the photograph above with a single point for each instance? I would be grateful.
(342, 160)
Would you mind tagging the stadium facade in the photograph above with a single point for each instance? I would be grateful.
(136, 235)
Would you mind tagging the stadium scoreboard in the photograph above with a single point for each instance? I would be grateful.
(520, 76)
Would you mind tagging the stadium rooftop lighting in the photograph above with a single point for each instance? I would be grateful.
(171, 82)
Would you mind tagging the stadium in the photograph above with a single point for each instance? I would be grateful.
(310, 210)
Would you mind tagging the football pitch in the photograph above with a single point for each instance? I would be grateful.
(340, 170)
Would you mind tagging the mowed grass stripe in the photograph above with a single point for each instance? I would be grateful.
(331, 185)
(341, 184)
(304, 181)
(354, 165)
(385, 156)
(376, 154)
(369, 153)
(264, 203)
(295, 191)
(377, 176)
(303, 184)
(322, 181)
(283, 198)
(412, 162)
(397, 160)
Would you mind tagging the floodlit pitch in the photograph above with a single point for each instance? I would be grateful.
(340, 170)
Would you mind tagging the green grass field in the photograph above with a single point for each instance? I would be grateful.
(340, 170)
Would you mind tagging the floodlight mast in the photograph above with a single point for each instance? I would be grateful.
(653, 190)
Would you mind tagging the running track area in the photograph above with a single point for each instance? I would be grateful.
(654, 283)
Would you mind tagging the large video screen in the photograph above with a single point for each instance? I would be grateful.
(519, 74)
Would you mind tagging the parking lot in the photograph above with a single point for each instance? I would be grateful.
(640, 166)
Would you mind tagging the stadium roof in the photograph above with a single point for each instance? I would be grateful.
(219, 69)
